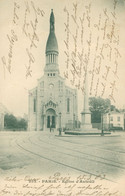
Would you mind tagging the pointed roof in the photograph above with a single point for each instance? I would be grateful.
(52, 45)
(52, 19)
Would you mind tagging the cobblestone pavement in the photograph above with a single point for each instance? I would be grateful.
(44, 153)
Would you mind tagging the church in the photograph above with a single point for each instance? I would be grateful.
(51, 102)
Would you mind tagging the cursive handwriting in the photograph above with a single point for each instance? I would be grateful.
(15, 15)
(12, 38)
(30, 30)
(66, 52)
(57, 184)
(92, 48)
(113, 89)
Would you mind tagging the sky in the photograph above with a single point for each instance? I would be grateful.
(15, 47)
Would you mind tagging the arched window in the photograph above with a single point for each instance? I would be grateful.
(34, 105)
(68, 105)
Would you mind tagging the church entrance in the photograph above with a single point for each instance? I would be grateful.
(51, 121)
(51, 118)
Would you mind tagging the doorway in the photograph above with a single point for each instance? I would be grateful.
(51, 118)
(51, 121)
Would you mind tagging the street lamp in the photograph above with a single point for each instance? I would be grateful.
(73, 121)
(60, 124)
(102, 123)
(109, 121)
(101, 109)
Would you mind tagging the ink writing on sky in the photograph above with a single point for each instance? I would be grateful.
(92, 48)
(28, 25)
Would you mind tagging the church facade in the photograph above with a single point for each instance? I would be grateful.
(52, 103)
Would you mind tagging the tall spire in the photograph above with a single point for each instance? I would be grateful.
(52, 48)
(52, 21)
(52, 45)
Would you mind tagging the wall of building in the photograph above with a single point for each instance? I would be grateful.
(3, 111)
(59, 95)
(113, 120)
(1, 121)
(32, 114)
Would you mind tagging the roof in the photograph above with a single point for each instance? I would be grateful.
(52, 45)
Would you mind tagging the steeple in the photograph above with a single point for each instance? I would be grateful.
(52, 48)
(52, 21)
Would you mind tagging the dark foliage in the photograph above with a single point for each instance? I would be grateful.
(98, 106)
(11, 122)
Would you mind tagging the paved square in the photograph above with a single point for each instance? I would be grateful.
(44, 153)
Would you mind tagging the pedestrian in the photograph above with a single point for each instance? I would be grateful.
(50, 128)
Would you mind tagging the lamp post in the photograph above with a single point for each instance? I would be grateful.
(60, 124)
(101, 109)
(102, 123)
(109, 121)
(73, 121)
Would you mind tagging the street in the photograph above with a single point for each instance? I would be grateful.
(45, 153)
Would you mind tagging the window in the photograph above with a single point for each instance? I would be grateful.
(54, 74)
(118, 118)
(51, 74)
(48, 74)
(34, 105)
(68, 104)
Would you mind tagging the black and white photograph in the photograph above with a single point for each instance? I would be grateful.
(62, 97)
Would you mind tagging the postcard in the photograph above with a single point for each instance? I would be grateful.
(62, 97)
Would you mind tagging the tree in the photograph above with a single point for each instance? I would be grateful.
(98, 105)
(11, 122)
(22, 124)
(113, 108)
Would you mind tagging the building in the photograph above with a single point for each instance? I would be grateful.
(52, 103)
(3, 111)
(113, 120)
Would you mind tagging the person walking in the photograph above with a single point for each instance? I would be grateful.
(50, 128)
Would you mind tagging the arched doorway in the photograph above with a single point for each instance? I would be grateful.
(51, 118)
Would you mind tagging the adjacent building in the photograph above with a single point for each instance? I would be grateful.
(113, 120)
(3, 111)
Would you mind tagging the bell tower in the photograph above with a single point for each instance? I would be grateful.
(52, 49)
